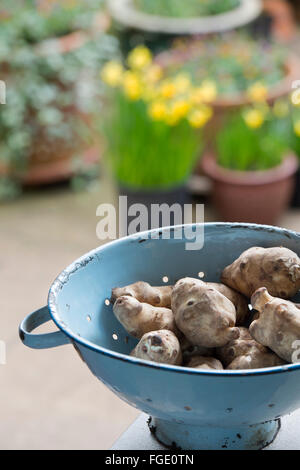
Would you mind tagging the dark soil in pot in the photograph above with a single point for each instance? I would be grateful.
(296, 195)
(148, 198)
(253, 197)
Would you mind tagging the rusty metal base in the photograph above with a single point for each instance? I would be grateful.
(190, 437)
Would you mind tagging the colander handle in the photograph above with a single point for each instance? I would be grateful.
(44, 341)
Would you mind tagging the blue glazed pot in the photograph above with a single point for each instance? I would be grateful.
(192, 408)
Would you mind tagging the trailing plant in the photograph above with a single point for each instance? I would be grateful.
(37, 20)
(44, 87)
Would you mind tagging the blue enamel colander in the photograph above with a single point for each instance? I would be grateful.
(190, 408)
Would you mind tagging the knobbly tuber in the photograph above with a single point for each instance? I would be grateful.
(144, 292)
(203, 362)
(205, 316)
(246, 353)
(278, 324)
(277, 269)
(139, 318)
(189, 350)
(239, 301)
(159, 346)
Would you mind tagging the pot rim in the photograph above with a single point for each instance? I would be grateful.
(286, 169)
(61, 279)
(152, 190)
(127, 15)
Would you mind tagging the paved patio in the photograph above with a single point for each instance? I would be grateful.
(49, 399)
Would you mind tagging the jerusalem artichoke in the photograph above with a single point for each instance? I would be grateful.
(278, 324)
(160, 346)
(277, 269)
(203, 362)
(139, 318)
(239, 301)
(144, 292)
(206, 317)
(246, 353)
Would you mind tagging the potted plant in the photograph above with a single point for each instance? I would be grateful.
(152, 129)
(236, 62)
(252, 167)
(181, 18)
(49, 70)
(295, 144)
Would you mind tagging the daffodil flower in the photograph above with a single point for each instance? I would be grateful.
(112, 73)
(258, 92)
(157, 110)
(254, 118)
(199, 117)
(297, 128)
(139, 58)
(168, 89)
(132, 85)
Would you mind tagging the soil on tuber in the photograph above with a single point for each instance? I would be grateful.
(160, 346)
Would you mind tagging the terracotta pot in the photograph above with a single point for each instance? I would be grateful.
(283, 24)
(54, 170)
(253, 196)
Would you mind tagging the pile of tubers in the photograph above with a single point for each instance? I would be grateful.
(210, 326)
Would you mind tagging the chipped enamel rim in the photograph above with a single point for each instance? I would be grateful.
(85, 259)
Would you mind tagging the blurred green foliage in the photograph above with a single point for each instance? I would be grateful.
(242, 148)
(147, 154)
(186, 8)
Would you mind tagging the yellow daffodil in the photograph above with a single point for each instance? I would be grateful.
(157, 110)
(112, 73)
(281, 108)
(297, 128)
(254, 118)
(206, 93)
(295, 97)
(168, 89)
(132, 85)
(179, 109)
(199, 117)
(139, 58)
(182, 82)
(153, 74)
(258, 92)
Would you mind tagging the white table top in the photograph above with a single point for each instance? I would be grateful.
(138, 436)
